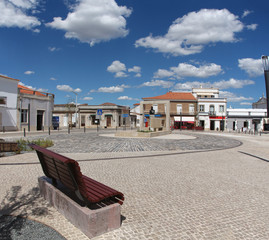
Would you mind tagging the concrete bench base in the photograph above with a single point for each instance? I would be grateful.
(91, 222)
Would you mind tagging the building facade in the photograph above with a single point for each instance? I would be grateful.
(211, 109)
(243, 120)
(34, 112)
(173, 109)
(106, 115)
(8, 103)
(260, 104)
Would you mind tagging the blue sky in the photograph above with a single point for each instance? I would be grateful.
(121, 51)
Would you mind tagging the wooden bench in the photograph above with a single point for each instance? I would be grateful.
(67, 171)
(8, 146)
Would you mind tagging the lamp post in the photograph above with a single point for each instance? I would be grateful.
(76, 109)
(266, 76)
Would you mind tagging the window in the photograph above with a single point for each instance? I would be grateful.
(201, 108)
(191, 108)
(221, 108)
(212, 110)
(24, 115)
(179, 108)
(3, 100)
(155, 108)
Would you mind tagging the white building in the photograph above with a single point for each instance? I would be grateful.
(246, 119)
(8, 103)
(135, 115)
(211, 109)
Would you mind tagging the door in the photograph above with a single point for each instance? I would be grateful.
(212, 125)
(108, 121)
(39, 122)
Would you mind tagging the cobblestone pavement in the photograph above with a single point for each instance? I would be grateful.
(221, 194)
(79, 142)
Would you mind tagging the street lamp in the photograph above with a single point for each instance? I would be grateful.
(76, 109)
(266, 76)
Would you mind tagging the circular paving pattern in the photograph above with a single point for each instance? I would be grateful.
(95, 142)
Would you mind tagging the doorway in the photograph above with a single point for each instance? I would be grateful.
(108, 121)
(39, 122)
(212, 125)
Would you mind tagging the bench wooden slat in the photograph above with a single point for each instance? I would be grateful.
(67, 171)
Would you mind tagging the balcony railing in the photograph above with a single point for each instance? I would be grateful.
(212, 113)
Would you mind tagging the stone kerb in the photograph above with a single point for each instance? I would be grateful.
(141, 134)
(91, 222)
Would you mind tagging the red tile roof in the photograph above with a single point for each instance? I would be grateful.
(173, 96)
(27, 90)
(108, 104)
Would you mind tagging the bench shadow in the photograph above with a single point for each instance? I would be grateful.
(21, 205)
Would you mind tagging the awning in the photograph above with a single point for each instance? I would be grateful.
(184, 119)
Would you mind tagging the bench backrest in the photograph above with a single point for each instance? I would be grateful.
(59, 167)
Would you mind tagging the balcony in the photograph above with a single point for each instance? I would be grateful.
(212, 113)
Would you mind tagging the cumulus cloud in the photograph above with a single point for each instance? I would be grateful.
(14, 13)
(92, 21)
(231, 97)
(190, 33)
(53, 79)
(87, 98)
(135, 69)
(253, 67)
(112, 89)
(67, 88)
(246, 13)
(158, 83)
(252, 27)
(188, 70)
(128, 98)
(34, 88)
(163, 73)
(232, 83)
(118, 68)
(29, 72)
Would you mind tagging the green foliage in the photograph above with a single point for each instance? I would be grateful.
(23, 144)
(145, 131)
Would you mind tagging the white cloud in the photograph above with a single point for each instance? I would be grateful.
(252, 27)
(189, 34)
(29, 72)
(135, 69)
(188, 70)
(158, 83)
(94, 21)
(34, 88)
(231, 97)
(87, 98)
(232, 83)
(67, 88)
(252, 66)
(53, 79)
(13, 13)
(53, 49)
(128, 98)
(118, 68)
(163, 73)
(246, 103)
(112, 89)
(246, 13)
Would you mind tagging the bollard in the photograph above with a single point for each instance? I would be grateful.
(4, 130)
(49, 130)
(68, 129)
(84, 129)
(24, 132)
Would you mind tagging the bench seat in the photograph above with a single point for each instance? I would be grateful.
(67, 171)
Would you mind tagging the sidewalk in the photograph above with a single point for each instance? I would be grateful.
(220, 194)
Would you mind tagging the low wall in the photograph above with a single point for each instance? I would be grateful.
(141, 134)
(91, 222)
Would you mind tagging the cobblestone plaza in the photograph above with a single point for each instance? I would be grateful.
(182, 186)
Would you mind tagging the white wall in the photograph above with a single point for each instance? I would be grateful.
(9, 89)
